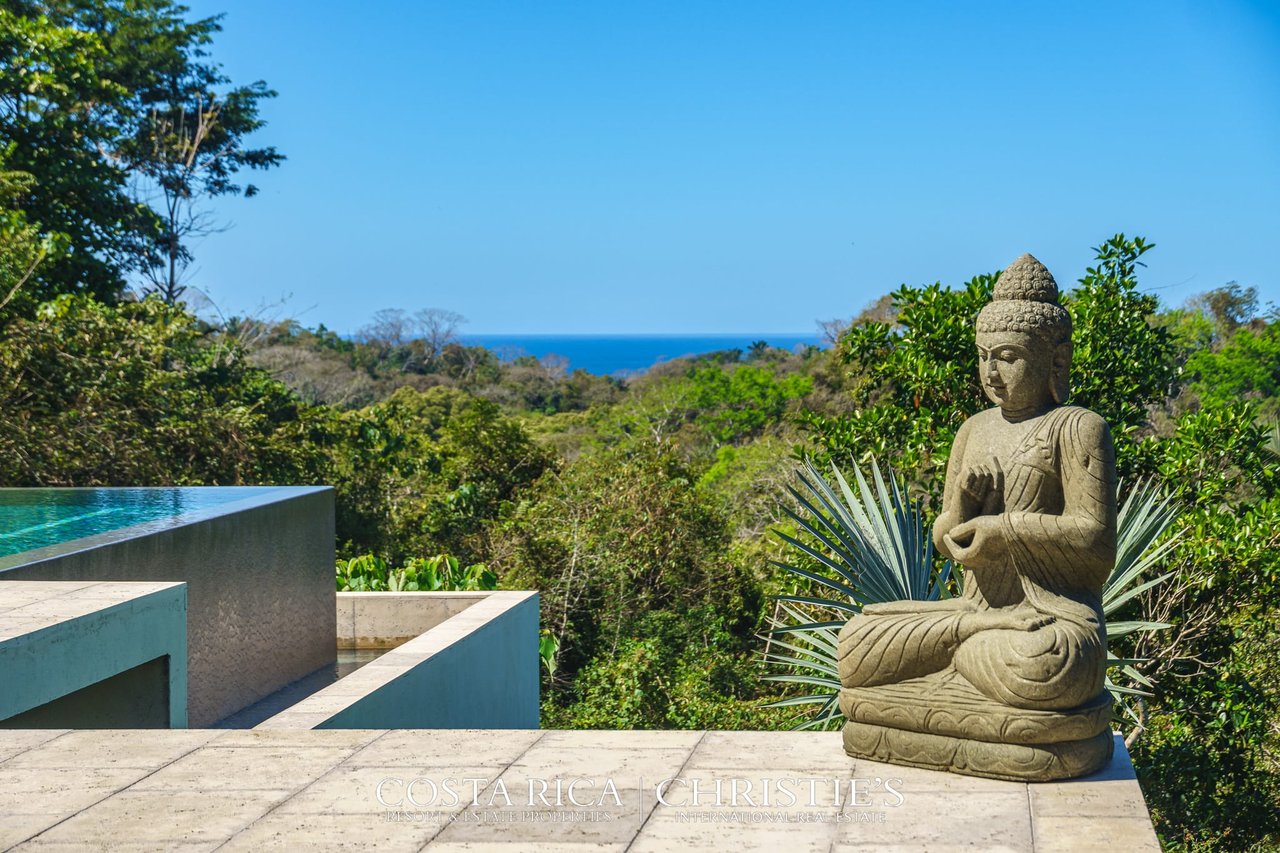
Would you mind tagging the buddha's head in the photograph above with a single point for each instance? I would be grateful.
(1024, 340)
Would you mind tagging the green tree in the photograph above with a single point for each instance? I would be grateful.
(614, 538)
(1245, 366)
(1123, 360)
(425, 473)
(58, 114)
(673, 671)
(1207, 758)
(138, 394)
(190, 148)
(710, 403)
(22, 246)
(736, 403)
(100, 95)
(915, 382)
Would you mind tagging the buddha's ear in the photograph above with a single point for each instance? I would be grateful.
(1060, 374)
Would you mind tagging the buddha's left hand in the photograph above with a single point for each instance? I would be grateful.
(978, 542)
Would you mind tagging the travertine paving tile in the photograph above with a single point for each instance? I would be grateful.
(146, 790)
(290, 720)
(354, 790)
(521, 828)
(117, 846)
(15, 828)
(882, 846)
(16, 741)
(613, 794)
(210, 771)
(671, 739)
(1087, 799)
(446, 748)
(112, 748)
(164, 817)
(617, 762)
(60, 791)
(1097, 835)
(357, 685)
(19, 593)
(810, 753)
(288, 738)
(277, 831)
(931, 819)
(439, 846)
(326, 703)
(115, 590)
(801, 795)
(667, 832)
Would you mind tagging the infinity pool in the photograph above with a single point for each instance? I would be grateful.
(37, 518)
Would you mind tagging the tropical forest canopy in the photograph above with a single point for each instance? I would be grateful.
(643, 509)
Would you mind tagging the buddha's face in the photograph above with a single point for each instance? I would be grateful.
(1016, 370)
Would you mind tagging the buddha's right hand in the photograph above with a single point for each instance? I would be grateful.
(983, 489)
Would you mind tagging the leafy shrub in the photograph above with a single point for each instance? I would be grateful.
(369, 573)
(677, 670)
(427, 471)
(139, 393)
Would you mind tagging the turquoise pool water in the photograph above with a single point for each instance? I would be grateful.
(37, 518)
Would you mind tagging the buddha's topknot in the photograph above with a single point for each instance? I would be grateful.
(1026, 279)
(1025, 300)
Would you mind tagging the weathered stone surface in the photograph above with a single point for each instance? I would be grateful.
(1005, 681)
(1017, 762)
(945, 704)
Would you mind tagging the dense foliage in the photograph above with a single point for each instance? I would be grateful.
(138, 394)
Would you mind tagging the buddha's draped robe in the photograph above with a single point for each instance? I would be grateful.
(1058, 519)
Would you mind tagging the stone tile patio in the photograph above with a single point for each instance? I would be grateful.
(281, 789)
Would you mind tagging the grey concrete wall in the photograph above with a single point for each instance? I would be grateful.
(103, 656)
(260, 591)
(477, 669)
(137, 698)
(382, 620)
(487, 678)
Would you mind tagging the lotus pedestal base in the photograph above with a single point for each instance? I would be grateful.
(941, 722)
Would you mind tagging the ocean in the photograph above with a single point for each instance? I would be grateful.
(610, 354)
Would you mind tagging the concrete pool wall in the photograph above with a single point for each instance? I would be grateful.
(93, 655)
(260, 591)
(458, 660)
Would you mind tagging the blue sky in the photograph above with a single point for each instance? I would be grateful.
(603, 167)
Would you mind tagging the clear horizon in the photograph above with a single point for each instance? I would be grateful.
(466, 334)
(605, 169)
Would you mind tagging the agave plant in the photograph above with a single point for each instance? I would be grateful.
(872, 545)
(1141, 544)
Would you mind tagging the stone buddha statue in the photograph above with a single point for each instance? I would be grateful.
(1005, 680)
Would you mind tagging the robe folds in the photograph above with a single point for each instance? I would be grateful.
(1056, 517)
